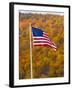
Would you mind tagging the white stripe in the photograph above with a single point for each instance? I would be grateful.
(41, 43)
(35, 41)
(47, 39)
(45, 33)
(40, 37)
(53, 46)
(44, 43)
(37, 37)
(45, 36)
(40, 40)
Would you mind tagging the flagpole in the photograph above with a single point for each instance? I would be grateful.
(30, 50)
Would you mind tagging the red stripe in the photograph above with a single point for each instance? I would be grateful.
(45, 36)
(42, 42)
(40, 39)
(44, 45)
(45, 33)
(45, 39)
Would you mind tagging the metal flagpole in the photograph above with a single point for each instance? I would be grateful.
(30, 50)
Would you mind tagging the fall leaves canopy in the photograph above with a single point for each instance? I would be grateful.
(45, 62)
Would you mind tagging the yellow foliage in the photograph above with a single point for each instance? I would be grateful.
(46, 62)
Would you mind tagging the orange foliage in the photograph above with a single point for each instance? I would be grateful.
(45, 62)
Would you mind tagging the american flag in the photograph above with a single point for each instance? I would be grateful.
(40, 38)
